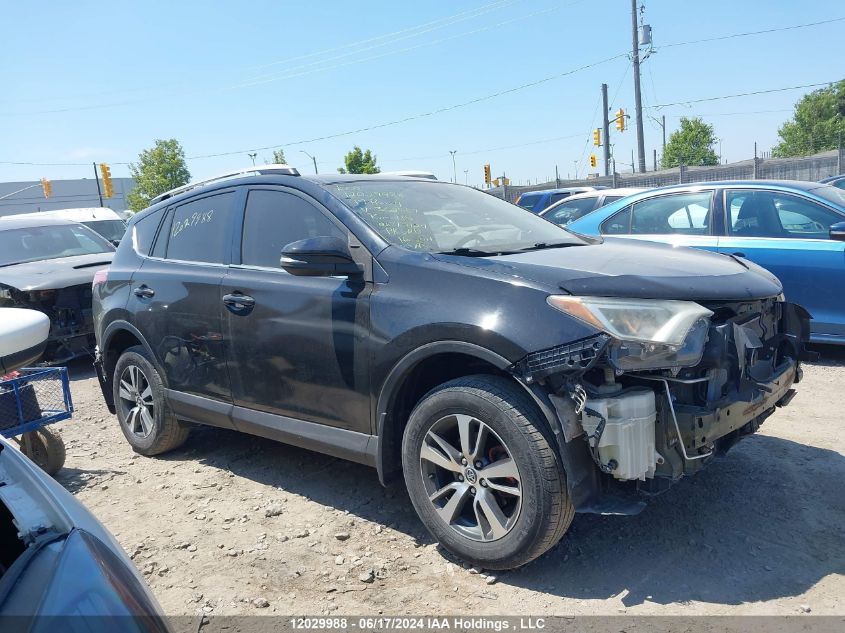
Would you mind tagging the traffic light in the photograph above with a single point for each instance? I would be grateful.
(495, 182)
(597, 137)
(108, 189)
(620, 120)
(47, 186)
(487, 177)
(507, 181)
(593, 161)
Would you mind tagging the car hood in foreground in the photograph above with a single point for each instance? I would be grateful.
(54, 273)
(630, 268)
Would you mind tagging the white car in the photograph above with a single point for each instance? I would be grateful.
(579, 205)
(101, 220)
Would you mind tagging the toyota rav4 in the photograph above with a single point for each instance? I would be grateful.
(512, 372)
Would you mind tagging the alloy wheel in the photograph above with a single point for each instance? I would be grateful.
(471, 478)
(136, 401)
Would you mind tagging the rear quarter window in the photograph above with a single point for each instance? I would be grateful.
(144, 232)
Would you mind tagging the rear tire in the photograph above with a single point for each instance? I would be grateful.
(145, 416)
(508, 503)
(46, 448)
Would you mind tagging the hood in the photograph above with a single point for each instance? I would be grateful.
(51, 274)
(630, 268)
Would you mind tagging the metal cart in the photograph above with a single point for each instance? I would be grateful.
(30, 400)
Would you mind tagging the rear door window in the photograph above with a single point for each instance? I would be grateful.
(685, 213)
(200, 229)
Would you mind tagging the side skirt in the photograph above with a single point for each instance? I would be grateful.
(342, 443)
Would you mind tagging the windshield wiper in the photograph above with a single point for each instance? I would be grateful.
(468, 252)
(541, 245)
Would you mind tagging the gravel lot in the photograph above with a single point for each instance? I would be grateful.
(234, 524)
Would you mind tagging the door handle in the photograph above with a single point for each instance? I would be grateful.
(238, 303)
(144, 291)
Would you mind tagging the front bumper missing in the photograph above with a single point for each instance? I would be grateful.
(748, 368)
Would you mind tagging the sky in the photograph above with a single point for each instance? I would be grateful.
(512, 83)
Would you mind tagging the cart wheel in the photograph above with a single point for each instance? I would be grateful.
(45, 447)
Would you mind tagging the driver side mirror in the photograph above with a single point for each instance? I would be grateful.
(319, 257)
(837, 231)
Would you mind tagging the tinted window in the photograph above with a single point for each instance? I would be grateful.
(571, 210)
(144, 232)
(528, 201)
(774, 214)
(200, 230)
(608, 199)
(274, 219)
(49, 242)
(619, 224)
(686, 213)
(557, 197)
(112, 230)
(411, 214)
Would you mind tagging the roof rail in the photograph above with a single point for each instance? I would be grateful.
(286, 170)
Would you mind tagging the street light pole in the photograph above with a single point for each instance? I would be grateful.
(454, 169)
(312, 158)
(252, 156)
(466, 176)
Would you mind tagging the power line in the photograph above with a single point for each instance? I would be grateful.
(416, 116)
(749, 33)
(741, 94)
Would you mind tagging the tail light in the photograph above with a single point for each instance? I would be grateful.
(100, 277)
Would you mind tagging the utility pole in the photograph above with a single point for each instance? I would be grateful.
(655, 160)
(557, 174)
(663, 125)
(638, 101)
(454, 169)
(97, 179)
(466, 176)
(606, 127)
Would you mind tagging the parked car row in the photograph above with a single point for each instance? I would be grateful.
(794, 229)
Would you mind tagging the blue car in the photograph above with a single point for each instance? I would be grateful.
(795, 229)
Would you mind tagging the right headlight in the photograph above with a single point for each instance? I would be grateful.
(649, 333)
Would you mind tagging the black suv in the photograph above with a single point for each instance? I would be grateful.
(513, 372)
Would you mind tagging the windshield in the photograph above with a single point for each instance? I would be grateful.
(112, 230)
(36, 243)
(439, 217)
(832, 194)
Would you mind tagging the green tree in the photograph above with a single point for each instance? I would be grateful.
(279, 157)
(815, 127)
(158, 169)
(359, 162)
(691, 144)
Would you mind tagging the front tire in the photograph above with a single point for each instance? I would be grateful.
(482, 475)
(145, 416)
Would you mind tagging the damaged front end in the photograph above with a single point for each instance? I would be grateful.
(71, 318)
(662, 390)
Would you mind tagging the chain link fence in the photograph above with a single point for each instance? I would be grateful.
(811, 168)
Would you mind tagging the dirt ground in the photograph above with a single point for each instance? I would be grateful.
(234, 524)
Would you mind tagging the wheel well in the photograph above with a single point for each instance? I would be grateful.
(422, 378)
(120, 342)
